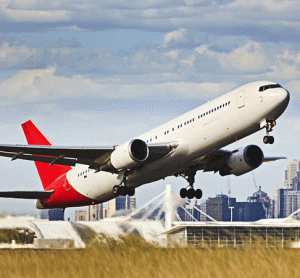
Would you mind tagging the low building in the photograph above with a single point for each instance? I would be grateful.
(285, 233)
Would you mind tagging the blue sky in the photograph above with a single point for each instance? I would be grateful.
(98, 73)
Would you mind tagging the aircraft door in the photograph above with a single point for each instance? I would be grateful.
(241, 99)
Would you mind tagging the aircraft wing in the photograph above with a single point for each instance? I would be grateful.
(95, 157)
(216, 160)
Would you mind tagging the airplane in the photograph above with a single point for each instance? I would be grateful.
(181, 147)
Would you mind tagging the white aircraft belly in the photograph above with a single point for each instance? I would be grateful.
(97, 186)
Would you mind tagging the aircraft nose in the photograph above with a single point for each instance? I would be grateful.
(283, 96)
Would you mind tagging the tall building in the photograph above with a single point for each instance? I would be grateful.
(287, 199)
(263, 198)
(292, 203)
(279, 211)
(96, 212)
(121, 203)
(218, 207)
(292, 168)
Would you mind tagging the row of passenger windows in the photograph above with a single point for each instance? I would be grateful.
(214, 110)
(192, 120)
(84, 172)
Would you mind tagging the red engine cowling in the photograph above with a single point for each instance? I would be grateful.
(243, 160)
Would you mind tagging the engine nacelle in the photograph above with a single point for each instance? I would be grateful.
(243, 160)
(129, 154)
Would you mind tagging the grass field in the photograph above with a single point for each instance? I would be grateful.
(133, 257)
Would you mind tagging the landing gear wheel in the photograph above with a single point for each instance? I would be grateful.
(191, 193)
(271, 139)
(123, 190)
(116, 190)
(130, 191)
(183, 193)
(268, 139)
(198, 193)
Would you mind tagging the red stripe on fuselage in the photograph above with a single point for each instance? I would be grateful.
(65, 195)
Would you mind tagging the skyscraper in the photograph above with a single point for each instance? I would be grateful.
(121, 203)
(291, 173)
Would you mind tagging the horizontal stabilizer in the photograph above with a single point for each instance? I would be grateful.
(27, 194)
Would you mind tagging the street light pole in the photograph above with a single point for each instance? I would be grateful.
(231, 214)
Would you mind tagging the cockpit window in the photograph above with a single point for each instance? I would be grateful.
(271, 86)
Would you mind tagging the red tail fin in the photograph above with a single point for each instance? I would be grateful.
(47, 173)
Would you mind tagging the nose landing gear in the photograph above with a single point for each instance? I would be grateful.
(190, 192)
(269, 127)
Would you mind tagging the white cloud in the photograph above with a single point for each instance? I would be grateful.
(175, 36)
(44, 85)
(265, 20)
(248, 58)
(17, 56)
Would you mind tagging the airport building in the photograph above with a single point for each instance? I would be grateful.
(235, 234)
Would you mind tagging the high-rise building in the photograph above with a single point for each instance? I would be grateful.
(121, 203)
(287, 199)
(292, 168)
(218, 207)
(292, 203)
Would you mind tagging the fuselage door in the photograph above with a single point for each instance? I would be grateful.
(241, 99)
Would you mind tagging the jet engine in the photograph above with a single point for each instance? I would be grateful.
(129, 154)
(243, 160)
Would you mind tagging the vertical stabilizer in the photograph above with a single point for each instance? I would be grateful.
(47, 173)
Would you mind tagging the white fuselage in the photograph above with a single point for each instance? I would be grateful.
(209, 127)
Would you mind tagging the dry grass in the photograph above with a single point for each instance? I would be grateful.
(132, 257)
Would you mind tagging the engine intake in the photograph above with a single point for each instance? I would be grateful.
(129, 154)
(243, 160)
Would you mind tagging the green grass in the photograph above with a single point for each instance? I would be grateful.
(133, 257)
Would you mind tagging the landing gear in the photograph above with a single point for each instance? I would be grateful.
(123, 190)
(268, 139)
(269, 127)
(191, 192)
